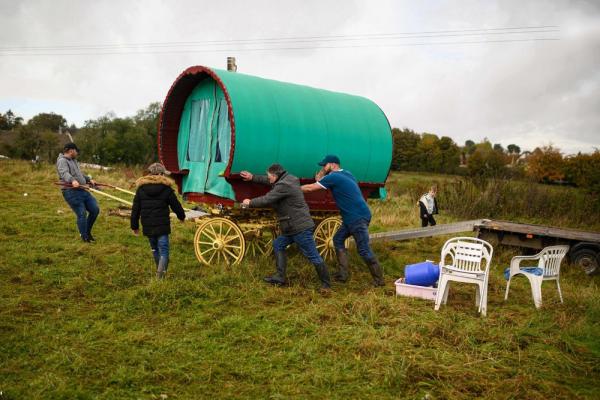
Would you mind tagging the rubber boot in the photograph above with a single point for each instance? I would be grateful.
(162, 267)
(376, 272)
(343, 271)
(280, 265)
(323, 275)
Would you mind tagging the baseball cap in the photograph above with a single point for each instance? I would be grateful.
(158, 169)
(330, 158)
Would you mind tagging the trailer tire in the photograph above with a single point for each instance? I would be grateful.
(587, 259)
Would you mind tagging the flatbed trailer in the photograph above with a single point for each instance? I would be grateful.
(584, 246)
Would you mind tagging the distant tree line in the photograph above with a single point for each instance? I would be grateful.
(106, 140)
(424, 152)
(132, 140)
(427, 152)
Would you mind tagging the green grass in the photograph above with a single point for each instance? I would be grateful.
(89, 321)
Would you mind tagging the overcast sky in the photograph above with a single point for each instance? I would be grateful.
(436, 70)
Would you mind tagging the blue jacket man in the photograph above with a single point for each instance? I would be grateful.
(356, 216)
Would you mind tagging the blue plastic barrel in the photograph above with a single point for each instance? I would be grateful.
(421, 274)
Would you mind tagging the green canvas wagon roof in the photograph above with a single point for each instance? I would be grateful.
(272, 121)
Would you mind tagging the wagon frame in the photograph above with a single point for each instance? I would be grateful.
(229, 234)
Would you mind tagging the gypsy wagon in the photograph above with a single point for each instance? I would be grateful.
(216, 123)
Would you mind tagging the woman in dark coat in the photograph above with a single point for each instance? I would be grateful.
(153, 198)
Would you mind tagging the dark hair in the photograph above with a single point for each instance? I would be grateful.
(276, 169)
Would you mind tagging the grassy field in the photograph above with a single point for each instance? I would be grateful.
(88, 321)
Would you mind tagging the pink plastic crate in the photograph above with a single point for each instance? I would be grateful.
(422, 292)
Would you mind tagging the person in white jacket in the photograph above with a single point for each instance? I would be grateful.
(428, 207)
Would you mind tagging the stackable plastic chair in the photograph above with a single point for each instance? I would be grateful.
(548, 269)
(461, 261)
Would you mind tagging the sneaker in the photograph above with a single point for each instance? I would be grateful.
(90, 238)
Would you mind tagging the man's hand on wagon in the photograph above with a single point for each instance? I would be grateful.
(246, 203)
(247, 176)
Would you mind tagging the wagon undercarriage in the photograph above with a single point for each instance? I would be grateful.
(228, 235)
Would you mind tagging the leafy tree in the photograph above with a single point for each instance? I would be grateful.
(424, 152)
(27, 143)
(498, 147)
(513, 149)
(513, 152)
(147, 119)
(48, 121)
(109, 139)
(486, 162)
(429, 157)
(469, 147)
(583, 170)
(450, 155)
(9, 121)
(545, 164)
(406, 143)
(49, 145)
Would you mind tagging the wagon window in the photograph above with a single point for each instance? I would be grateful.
(223, 133)
(198, 130)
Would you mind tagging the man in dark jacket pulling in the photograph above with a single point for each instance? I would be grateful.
(295, 221)
(152, 200)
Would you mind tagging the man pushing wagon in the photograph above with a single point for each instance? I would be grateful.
(356, 216)
(295, 221)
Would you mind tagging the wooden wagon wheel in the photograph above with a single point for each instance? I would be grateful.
(259, 242)
(219, 240)
(324, 237)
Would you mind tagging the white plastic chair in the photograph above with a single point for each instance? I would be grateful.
(466, 257)
(548, 269)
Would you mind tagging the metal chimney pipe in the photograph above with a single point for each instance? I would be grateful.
(231, 66)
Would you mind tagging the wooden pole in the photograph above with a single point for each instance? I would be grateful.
(110, 196)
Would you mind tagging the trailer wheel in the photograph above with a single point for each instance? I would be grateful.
(218, 240)
(587, 259)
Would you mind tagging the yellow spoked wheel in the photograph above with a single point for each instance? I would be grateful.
(324, 237)
(259, 242)
(218, 240)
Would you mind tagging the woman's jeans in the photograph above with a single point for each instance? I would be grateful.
(160, 250)
(81, 201)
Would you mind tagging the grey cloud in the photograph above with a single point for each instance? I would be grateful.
(528, 93)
